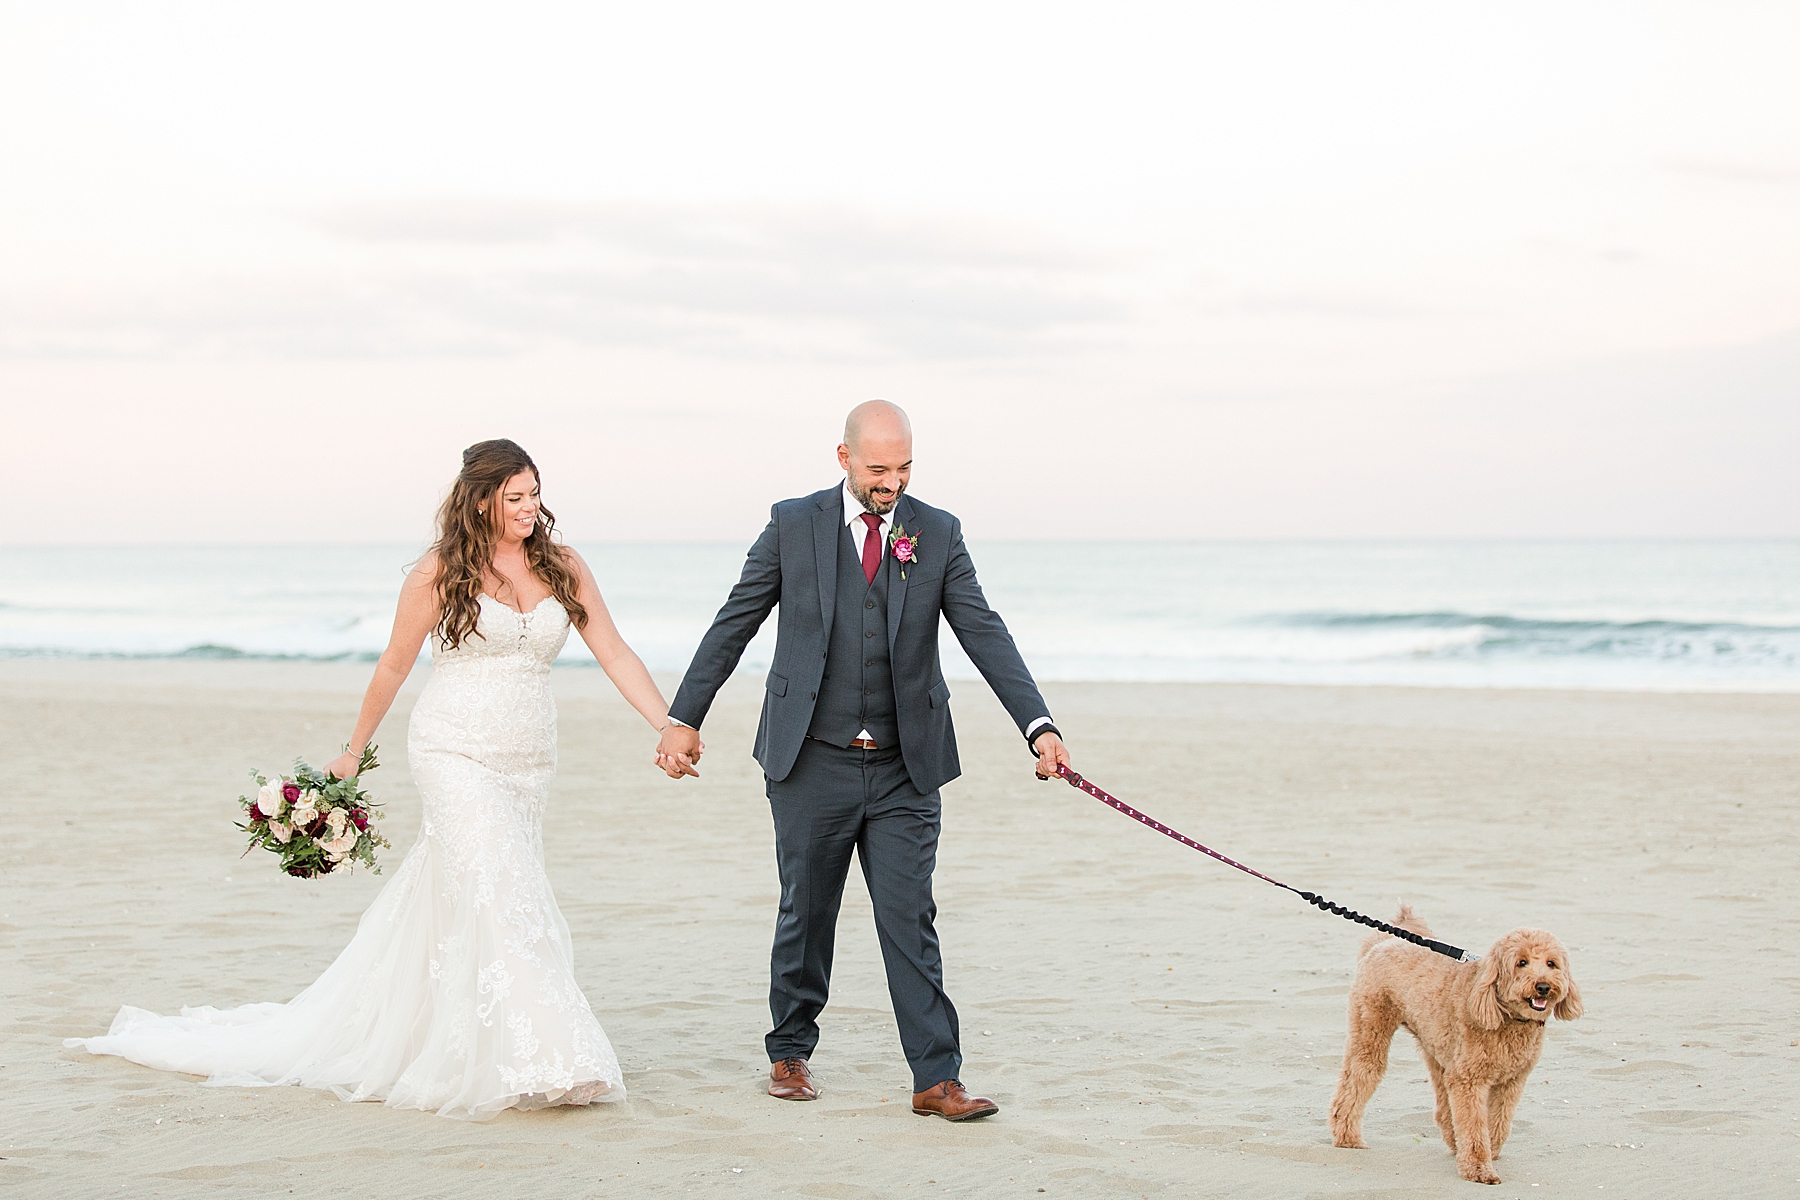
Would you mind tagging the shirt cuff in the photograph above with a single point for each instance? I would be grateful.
(1029, 729)
(683, 724)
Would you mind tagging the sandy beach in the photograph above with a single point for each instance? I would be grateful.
(1151, 1022)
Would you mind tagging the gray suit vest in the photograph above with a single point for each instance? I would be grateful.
(857, 691)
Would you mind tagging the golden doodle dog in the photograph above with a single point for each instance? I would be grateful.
(1479, 1025)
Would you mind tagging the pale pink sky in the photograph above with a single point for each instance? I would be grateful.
(1136, 270)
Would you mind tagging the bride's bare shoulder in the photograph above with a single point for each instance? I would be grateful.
(423, 576)
(587, 588)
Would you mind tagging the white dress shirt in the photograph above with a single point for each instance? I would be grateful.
(859, 528)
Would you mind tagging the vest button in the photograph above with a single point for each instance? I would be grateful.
(868, 633)
(868, 604)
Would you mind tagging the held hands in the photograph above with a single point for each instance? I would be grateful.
(678, 750)
(1051, 754)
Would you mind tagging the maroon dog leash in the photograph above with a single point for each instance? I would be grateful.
(1444, 948)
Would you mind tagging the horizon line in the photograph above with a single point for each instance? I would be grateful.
(1224, 539)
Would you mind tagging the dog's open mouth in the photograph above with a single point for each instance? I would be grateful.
(1539, 1003)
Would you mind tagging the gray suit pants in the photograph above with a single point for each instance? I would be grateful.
(835, 801)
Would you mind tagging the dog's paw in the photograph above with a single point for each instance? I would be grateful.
(1344, 1142)
(1480, 1173)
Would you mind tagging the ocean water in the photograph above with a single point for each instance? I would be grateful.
(1631, 615)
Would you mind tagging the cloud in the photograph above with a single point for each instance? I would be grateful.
(277, 316)
(497, 277)
(738, 233)
(1753, 386)
(1346, 307)
(751, 279)
(1732, 172)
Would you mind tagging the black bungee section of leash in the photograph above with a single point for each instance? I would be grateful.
(1313, 898)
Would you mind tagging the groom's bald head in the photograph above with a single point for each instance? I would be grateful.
(876, 454)
(877, 420)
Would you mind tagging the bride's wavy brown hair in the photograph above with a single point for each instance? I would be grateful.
(466, 538)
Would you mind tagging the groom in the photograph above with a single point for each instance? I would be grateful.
(855, 738)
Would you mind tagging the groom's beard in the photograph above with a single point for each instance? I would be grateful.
(880, 505)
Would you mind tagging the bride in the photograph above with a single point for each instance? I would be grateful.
(457, 994)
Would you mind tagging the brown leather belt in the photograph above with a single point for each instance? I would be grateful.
(855, 743)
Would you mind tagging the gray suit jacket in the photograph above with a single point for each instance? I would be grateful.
(794, 564)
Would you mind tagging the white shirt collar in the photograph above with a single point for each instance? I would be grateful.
(853, 511)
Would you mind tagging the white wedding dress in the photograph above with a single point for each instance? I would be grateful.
(457, 995)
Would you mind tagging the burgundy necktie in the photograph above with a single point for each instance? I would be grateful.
(872, 546)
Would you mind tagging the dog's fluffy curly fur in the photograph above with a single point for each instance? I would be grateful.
(1480, 1028)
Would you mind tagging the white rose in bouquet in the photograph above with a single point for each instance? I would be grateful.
(281, 830)
(305, 812)
(269, 799)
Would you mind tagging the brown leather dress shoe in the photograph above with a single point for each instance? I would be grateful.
(790, 1080)
(951, 1101)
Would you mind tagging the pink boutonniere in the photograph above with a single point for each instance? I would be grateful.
(905, 546)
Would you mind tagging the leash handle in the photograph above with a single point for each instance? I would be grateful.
(1074, 779)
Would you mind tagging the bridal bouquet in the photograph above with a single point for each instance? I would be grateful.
(313, 821)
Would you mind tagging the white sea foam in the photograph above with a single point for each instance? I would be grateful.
(1632, 615)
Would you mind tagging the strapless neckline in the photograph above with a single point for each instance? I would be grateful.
(520, 612)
